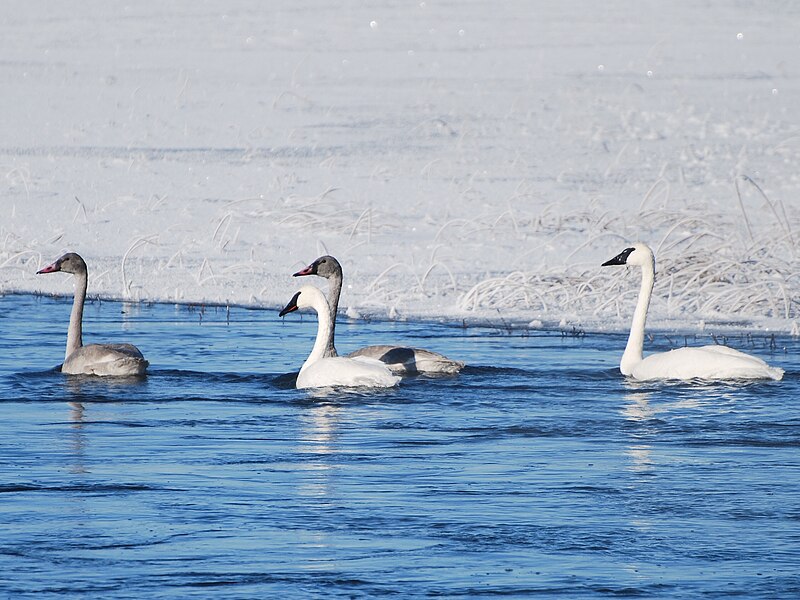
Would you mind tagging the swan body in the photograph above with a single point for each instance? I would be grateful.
(340, 371)
(401, 360)
(320, 370)
(715, 363)
(706, 362)
(93, 359)
(105, 359)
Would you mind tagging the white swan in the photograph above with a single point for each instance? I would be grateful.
(402, 360)
(94, 359)
(706, 362)
(320, 370)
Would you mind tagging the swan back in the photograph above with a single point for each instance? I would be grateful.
(105, 359)
(410, 361)
(713, 363)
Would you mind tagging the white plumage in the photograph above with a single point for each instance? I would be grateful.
(706, 362)
(334, 371)
(402, 360)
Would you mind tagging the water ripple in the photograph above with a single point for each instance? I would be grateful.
(548, 476)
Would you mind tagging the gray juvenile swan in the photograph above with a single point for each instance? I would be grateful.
(94, 359)
(402, 360)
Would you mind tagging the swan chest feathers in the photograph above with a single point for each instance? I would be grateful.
(105, 359)
(706, 362)
(340, 371)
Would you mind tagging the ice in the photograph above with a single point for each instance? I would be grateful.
(204, 153)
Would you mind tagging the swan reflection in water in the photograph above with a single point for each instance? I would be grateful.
(78, 438)
(318, 445)
(642, 413)
(83, 391)
(320, 426)
(639, 410)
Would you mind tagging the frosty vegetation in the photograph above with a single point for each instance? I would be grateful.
(469, 164)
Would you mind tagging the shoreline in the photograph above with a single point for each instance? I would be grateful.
(512, 327)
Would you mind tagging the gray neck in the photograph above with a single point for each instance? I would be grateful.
(633, 350)
(334, 291)
(74, 337)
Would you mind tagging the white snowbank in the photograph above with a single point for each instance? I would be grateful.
(463, 161)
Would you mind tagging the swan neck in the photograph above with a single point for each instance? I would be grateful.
(335, 291)
(324, 336)
(74, 333)
(633, 350)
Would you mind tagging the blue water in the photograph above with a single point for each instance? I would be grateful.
(539, 471)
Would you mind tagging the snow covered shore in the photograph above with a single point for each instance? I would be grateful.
(462, 160)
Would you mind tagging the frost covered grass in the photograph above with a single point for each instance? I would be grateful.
(467, 165)
(707, 270)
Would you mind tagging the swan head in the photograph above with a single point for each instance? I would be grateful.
(638, 254)
(307, 297)
(325, 266)
(69, 263)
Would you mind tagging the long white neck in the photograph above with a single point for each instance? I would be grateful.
(324, 334)
(633, 350)
(334, 291)
(74, 338)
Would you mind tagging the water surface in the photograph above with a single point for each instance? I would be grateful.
(537, 471)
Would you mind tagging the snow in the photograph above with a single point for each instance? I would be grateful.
(465, 161)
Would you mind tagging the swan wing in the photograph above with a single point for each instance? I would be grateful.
(726, 351)
(346, 372)
(404, 360)
(707, 362)
(105, 360)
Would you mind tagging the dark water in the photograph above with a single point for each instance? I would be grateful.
(537, 472)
